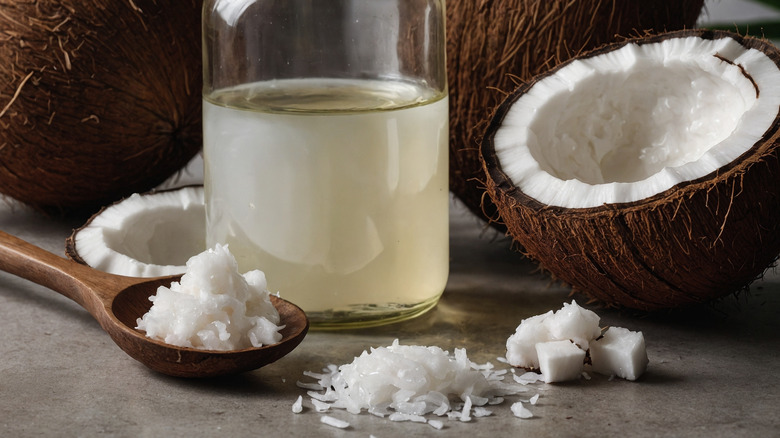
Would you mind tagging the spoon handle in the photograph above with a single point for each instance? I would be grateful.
(32, 263)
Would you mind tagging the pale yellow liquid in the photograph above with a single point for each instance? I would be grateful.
(338, 191)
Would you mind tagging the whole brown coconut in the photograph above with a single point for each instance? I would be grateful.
(98, 98)
(494, 45)
(688, 230)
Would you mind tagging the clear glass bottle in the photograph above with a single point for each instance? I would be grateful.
(325, 148)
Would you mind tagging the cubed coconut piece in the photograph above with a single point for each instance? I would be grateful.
(560, 361)
(620, 352)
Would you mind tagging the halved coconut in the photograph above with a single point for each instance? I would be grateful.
(492, 46)
(645, 173)
(144, 235)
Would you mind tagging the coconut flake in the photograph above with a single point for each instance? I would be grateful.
(496, 401)
(400, 416)
(479, 412)
(521, 411)
(307, 385)
(436, 424)
(465, 414)
(528, 378)
(335, 422)
(320, 406)
(297, 407)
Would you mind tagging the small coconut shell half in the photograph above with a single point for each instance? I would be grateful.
(144, 235)
(646, 174)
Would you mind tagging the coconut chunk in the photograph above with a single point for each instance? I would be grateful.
(620, 352)
(574, 323)
(520, 347)
(557, 342)
(560, 361)
(571, 322)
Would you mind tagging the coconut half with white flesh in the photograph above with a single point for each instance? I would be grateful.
(646, 173)
(143, 235)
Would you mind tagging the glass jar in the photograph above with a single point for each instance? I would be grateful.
(325, 148)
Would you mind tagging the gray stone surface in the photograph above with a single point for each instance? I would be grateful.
(712, 373)
(712, 369)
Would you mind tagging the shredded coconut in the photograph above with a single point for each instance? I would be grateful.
(411, 383)
(213, 307)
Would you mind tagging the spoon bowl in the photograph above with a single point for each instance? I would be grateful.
(116, 302)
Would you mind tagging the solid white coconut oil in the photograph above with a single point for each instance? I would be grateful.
(336, 189)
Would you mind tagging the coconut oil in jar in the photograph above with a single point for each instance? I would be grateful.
(325, 150)
(337, 189)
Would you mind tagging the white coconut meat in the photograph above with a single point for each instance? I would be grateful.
(411, 383)
(569, 323)
(214, 307)
(560, 361)
(145, 235)
(556, 343)
(631, 123)
(620, 352)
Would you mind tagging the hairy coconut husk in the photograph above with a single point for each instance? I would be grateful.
(492, 46)
(697, 241)
(98, 98)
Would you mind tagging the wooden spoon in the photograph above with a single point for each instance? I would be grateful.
(116, 302)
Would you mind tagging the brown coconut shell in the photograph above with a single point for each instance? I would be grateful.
(697, 241)
(98, 98)
(492, 46)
